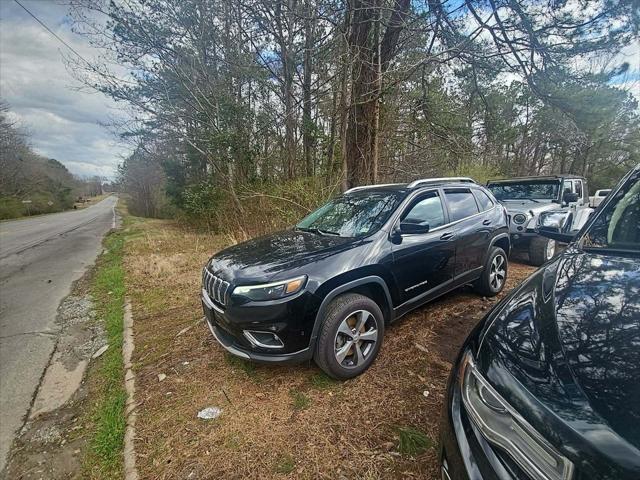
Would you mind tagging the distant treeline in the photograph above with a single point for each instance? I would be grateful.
(31, 184)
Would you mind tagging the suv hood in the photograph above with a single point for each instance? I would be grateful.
(526, 206)
(260, 259)
(570, 338)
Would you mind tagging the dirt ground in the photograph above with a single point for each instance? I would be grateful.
(278, 421)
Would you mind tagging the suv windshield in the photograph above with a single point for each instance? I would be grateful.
(353, 215)
(530, 190)
(617, 228)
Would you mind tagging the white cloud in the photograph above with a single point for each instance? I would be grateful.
(63, 122)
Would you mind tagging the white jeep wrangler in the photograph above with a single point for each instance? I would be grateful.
(527, 197)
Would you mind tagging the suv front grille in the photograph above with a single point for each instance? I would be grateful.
(217, 288)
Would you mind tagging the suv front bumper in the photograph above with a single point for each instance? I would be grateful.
(219, 326)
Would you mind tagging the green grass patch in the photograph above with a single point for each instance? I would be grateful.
(104, 456)
(413, 442)
(322, 381)
(299, 400)
(248, 368)
(285, 464)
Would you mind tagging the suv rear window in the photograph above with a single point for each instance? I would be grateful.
(461, 204)
(483, 200)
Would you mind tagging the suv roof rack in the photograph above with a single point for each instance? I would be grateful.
(417, 183)
(362, 187)
(533, 178)
(427, 181)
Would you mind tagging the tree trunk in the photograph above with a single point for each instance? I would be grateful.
(307, 127)
(361, 115)
(371, 59)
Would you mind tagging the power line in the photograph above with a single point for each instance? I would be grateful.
(54, 34)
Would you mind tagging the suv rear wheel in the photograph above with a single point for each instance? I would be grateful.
(350, 336)
(541, 250)
(494, 275)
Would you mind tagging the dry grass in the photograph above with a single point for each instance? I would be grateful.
(277, 421)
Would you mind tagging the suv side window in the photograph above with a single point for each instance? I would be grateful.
(578, 185)
(461, 203)
(428, 210)
(483, 199)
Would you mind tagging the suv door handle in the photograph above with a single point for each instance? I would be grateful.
(487, 222)
(446, 236)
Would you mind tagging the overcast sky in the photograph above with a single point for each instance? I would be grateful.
(63, 123)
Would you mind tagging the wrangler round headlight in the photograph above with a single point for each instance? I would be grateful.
(271, 291)
(519, 218)
(502, 426)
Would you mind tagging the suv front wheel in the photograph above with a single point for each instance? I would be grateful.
(350, 336)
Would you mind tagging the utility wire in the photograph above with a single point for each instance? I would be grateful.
(54, 34)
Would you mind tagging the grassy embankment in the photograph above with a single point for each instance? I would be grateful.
(107, 395)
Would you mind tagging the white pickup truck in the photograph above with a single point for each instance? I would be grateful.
(596, 199)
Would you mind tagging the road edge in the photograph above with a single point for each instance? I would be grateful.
(130, 472)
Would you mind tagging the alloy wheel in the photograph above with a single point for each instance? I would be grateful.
(498, 272)
(355, 339)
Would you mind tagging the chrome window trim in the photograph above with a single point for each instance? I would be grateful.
(396, 218)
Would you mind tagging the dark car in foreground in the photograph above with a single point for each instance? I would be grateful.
(547, 386)
(326, 288)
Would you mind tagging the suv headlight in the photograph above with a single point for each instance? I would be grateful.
(271, 291)
(501, 425)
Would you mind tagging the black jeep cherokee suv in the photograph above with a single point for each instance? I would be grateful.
(326, 288)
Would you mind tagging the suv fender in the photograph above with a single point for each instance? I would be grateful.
(368, 280)
(494, 240)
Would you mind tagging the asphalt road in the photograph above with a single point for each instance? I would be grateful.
(40, 258)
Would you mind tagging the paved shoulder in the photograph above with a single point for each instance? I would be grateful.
(39, 260)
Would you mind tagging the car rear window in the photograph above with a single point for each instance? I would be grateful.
(461, 204)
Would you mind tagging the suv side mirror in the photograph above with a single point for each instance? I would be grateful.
(555, 224)
(554, 233)
(408, 227)
(570, 197)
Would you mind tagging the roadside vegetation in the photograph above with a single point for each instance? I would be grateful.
(105, 415)
(31, 184)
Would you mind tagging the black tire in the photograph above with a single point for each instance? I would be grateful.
(541, 250)
(332, 343)
(494, 274)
